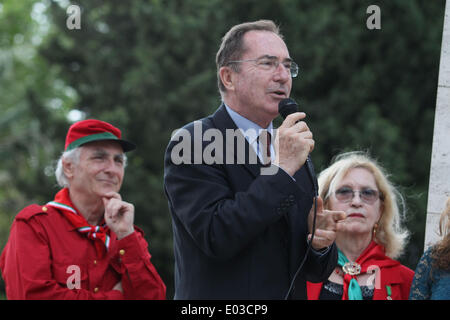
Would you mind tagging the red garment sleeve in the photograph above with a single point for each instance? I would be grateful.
(140, 279)
(27, 269)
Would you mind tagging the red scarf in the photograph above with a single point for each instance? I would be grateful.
(99, 234)
(373, 258)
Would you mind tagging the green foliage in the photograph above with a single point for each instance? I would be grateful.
(148, 67)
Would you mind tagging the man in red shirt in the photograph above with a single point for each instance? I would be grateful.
(83, 244)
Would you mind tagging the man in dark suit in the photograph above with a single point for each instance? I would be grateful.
(240, 202)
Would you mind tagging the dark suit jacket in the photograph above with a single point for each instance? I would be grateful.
(238, 234)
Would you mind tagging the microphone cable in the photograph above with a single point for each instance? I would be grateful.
(307, 250)
(285, 108)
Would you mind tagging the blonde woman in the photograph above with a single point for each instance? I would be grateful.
(432, 277)
(370, 237)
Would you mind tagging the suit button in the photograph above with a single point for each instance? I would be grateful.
(121, 252)
(96, 289)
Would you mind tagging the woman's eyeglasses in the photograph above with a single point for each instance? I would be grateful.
(368, 196)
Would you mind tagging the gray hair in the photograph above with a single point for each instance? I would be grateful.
(72, 156)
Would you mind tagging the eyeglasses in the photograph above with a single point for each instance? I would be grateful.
(368, 196)
(271, 63)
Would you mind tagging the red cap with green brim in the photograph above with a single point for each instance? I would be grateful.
(90, 130)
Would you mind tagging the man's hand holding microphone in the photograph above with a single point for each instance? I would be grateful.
(294, 142)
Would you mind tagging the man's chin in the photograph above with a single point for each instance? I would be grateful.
(105, 191)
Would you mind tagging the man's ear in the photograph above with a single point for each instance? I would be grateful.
(226, 76)
(68, 168)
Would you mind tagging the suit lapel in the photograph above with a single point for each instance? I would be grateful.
(246, 155)
(236, 146)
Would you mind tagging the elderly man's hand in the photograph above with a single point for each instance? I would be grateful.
(327, 224)
(119, 215)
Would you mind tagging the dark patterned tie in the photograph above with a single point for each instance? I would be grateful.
(264, 141)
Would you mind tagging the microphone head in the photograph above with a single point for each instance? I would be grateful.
(287, 106)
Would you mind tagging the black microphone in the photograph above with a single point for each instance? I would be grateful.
(286, 107)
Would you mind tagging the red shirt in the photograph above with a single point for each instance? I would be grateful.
(392, 279)
(47, 258)
(397, 278)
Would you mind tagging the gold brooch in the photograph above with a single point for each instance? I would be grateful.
(351, 268)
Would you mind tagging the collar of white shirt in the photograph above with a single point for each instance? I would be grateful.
(251, 131)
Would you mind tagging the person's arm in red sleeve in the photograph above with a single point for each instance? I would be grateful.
(140, 280)
(27, 268)
(132, 259)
